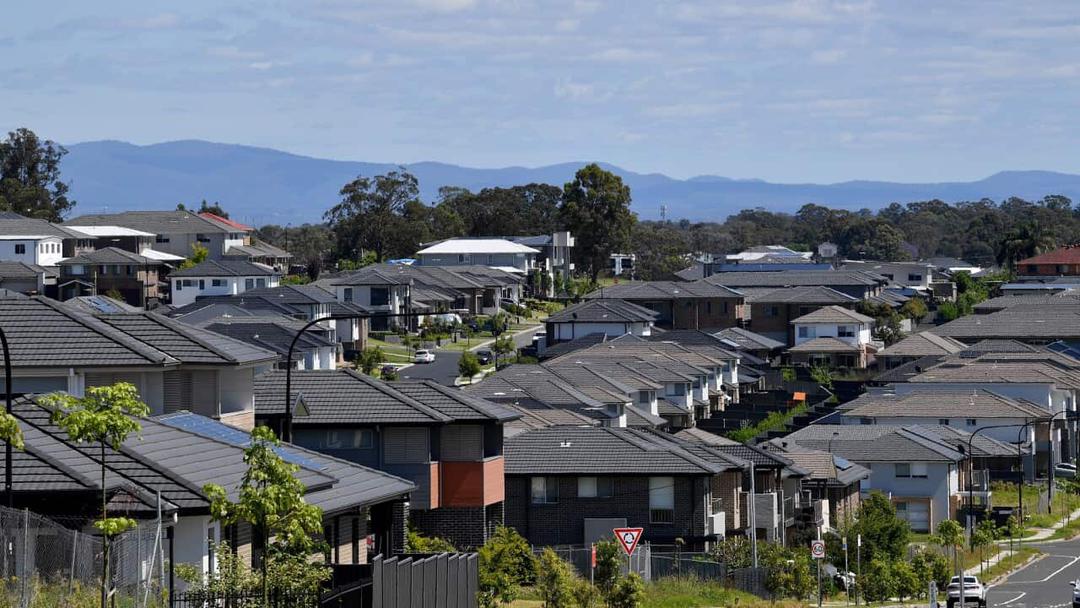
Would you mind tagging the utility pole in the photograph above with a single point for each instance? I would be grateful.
(858, 566)
(846, 569)
(753, 516)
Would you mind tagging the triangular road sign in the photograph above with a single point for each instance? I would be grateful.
(628, 538)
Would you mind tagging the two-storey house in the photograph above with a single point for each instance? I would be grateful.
(834, 337)
(223, 277)
(681, 305)
(608, 317)
(110, 270)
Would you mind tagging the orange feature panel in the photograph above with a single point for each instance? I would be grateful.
(472, 484)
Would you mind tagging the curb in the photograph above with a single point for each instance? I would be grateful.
(1024, 564)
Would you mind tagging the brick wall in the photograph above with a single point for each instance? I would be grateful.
(706, 313)
(563, 522)
(465, 527)
(726, 487)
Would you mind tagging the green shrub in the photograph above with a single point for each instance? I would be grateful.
(878, 583)
(629, 592)
(415, 542)
(505, 563)
(554, 580)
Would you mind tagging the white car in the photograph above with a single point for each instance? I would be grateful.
(424, 356)
(1064, 469)
(974, 592)
(1076, 593)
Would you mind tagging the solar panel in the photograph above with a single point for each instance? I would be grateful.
(212, 429)
(842, 463)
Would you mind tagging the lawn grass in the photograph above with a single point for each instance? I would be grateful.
(1005, 494)
(1009, 563)
(682, 593)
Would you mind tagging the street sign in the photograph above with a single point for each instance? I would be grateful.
(628, 538)
(592, 557)
(858, 540)
(817, 549)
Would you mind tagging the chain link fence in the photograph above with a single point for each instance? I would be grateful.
(46, 564)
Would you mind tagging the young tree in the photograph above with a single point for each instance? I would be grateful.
(878, 583)
(884, 534)
(369, 359)
(216, 209)
(198, 256)
(629, 592)
(30, 181)
(608, 562)
(107, 416)
(505, 563)
(468, 365)
(503, 345)
(914, 309)
(950, 535)
(271, 500)
(596, 206)
(554, 580)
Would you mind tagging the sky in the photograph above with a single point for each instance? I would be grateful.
(788, 91)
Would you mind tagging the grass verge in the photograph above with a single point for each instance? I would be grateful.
(682, 593)
(1010, 563)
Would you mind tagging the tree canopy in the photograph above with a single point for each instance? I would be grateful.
(30, 181)
(597, 205)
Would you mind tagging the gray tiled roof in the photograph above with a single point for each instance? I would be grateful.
(98, 305)
(347, 397)
(110, 255)
(21, 270)
(793, 278)
(156, 222)
(185, 343)
(1062, 298)
(802, 294)
(874, 443)
(664, 290)
(269, 333)
(432, 277)
(923, 344)
(981, 445)
(603, 451)
(697, 435)
(1027, 324)
(824, 345)
(819, 465)
(33, 226)
(604, 310)
(226, 268)
(941, 404)
(833, 314)
(749, 340)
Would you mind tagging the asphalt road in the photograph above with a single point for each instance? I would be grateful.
(445, 368)
(1044, 584)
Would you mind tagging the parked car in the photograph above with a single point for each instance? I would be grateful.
(1064, 469)
(424, 356)
(974, 592)
(485, 357)
(1076, 593)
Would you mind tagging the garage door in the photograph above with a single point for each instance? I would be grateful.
(917, 514)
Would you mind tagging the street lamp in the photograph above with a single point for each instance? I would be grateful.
(286, 431)
(8, 486)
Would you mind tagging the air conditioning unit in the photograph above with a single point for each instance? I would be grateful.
(718, 524)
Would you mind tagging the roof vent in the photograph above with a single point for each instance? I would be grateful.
(564, 444)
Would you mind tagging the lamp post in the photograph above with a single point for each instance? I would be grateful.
(9, 490)
(970, 524)
(286, 430)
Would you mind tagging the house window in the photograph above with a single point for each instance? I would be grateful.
(971, 422)
(77, 269)
(887, 275)
(661, 500)
(380, 296)
(1033, 268)
(644, 397)
(679, 389)
(260, 283)
(545, 490)
(406, 445)
(103, 269)
(217, 282)
(708, 307)
(128, 269)
(772, 311)
(1063, 269)
(202, 284)
(866, 421)
(595, 487)
(347, 294)
(179, 286)
(943, 421)
(804, 331)
(903, 469)
(202, 238)
(20, 249)
(249, 283)
(914, 277)
(845, 331)
(918, 470)
(161, 238)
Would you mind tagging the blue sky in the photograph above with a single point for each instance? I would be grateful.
(803, 90)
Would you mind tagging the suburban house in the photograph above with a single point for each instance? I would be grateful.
(834, 337)
(1031, 323)
(1060, 262)
(34, 241)
(446, 442)
(175, 232)
(401, 289)
(609, 317)
(315, 348)
(571, 485)
(916, 276)
(1067, 298)
(173, 457)
(496, 253)
(622, 264)
(221, 277)
(916, 346)
(174, 366)
(261, 253)
(772, 310)
(681, 305)
(920, 473)
(554, 259)
(859, 284)
(831, 486)
(28, 279)
(109, 270)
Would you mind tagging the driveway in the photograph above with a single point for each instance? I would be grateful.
(444, 370)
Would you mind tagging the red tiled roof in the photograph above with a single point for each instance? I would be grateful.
(1066, 255)
(221, 220)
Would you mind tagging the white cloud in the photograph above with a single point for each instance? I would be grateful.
(446, 6)
(233, 52)
(622, 55)
(578, 91)
(828, 56)
(567, 25)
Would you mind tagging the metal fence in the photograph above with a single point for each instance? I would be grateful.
(245, 599)
(42, 559)
(447, 580)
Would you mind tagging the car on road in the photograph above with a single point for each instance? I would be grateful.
(423, 356)
(1076, 593)
(974, 592)
(485, 357)
(1064, 469)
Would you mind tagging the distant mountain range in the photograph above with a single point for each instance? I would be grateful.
(261, 185)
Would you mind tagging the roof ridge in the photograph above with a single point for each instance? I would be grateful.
(183, 328)
(386, 389)
(106, 330)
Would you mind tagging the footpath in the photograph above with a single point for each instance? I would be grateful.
(1041, 536)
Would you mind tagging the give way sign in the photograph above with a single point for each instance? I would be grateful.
(628, 538)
